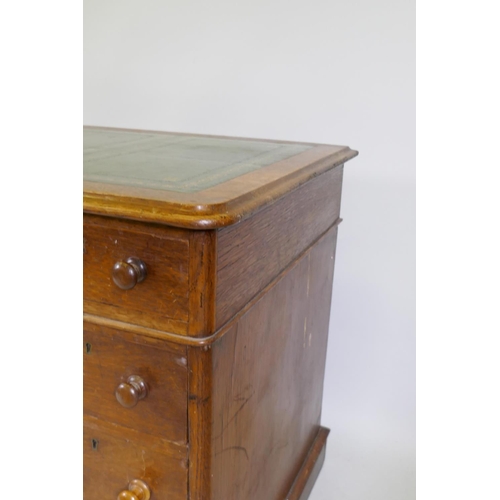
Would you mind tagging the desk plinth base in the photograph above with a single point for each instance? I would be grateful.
(306, 478)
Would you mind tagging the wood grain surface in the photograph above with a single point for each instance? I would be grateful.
(200, 407)
(108, 361)
(113, 457)
(251, 254)
(162, 299)
(202, 275)
(258, 410)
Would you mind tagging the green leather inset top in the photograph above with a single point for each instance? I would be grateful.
(180, 163)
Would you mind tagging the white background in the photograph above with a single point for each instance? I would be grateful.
(340, 72)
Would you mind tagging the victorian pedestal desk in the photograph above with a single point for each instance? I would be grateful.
(208, 267)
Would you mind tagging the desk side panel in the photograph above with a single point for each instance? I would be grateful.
(251, 254)
(268, 372)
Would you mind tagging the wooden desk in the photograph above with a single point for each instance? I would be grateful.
(208, 267)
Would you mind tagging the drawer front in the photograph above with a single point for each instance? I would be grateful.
(113, 364)
(112, 458)
(161, 299)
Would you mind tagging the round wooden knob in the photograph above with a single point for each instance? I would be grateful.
(129, 393)
(127, 495)
(126, 274)
(137, 490)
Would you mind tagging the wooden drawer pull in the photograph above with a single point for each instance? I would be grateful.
(126, 274)
(129, 393)
(137, 490)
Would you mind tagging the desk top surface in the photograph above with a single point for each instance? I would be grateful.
(194, 181)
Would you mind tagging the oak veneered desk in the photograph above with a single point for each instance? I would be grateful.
(208, 268)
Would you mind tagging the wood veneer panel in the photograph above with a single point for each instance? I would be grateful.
(162, 299)
(109, 360)
(252, 253)
(202, 283)
(113, 456)
(268, 374)
(200, 421)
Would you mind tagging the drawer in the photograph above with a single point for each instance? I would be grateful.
(113, 359)
(112, 458)
(161, 299)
